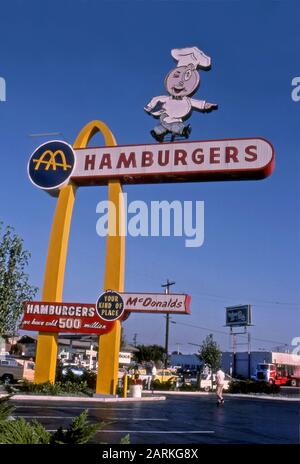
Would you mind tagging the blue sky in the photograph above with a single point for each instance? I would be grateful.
(68, 62)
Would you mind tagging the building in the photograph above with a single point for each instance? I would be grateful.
(244, 364)
(185, 361)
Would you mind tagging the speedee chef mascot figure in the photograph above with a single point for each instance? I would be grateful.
(181, 84)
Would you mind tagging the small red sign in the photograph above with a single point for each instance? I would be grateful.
(45, 316)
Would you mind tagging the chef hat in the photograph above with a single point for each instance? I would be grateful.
(191, 55)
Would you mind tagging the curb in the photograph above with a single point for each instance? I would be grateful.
(264, 397)
(230, 395)
(82, 399)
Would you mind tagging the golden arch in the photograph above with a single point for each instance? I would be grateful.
(51, 160)
(109, 344)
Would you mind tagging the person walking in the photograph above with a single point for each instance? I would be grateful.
(220, 377)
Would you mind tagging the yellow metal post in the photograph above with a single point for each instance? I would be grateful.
(46, 354)
(109, 344)
(125, 385)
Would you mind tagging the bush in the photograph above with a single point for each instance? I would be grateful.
(59, 388)
(188, 387)
(5, 408)
(88, 376)
(120, 391)
(20, 432)
(251, 386)
(79, 432)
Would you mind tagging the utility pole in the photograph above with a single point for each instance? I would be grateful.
(134, 339)
(167, 286)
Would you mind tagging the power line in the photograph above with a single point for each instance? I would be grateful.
(226, 333)
(225, 298)
(259, 302)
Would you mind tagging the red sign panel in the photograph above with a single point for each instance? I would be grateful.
(64, 317)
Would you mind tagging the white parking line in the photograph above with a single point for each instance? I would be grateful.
(106, 419)
(205, 432)
(158, 431)
(75, 407)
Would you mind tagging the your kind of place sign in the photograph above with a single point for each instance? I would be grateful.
(98, 318)
(54, 163)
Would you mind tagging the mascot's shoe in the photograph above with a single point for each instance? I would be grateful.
(187, 131)
(157, 137)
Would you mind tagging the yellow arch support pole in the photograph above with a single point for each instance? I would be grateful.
(109, 344)
(46, 355)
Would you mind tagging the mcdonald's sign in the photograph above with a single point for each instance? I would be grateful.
(51, 165)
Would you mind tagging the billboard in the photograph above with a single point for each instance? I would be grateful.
(238, 316)
(45, 316)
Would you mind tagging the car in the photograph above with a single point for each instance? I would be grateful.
(206, 382)
(14, 369)
(74, 369)
(165, 375)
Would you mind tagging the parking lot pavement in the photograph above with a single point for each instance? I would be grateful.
(185, 420)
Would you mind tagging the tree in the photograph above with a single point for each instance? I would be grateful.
(14, 282)
(210, 354)
(153, 353)
(16, 349)
(123, 341)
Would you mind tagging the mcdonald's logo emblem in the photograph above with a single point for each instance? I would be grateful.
(48, 159)
(51, 165)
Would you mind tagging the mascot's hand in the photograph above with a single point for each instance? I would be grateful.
(211, 106)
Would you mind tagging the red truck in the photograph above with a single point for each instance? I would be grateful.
(278, 374)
